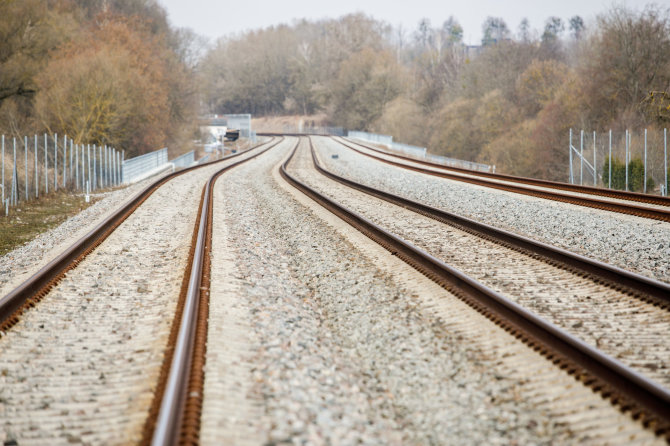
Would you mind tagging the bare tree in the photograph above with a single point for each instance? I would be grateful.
(628, 59)
(576, 27)
(495, 30)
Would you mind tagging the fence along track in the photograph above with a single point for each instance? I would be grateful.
(174, 417)
(630, 391)
(30, 292)
(639, 286)
(622, 208)
(590, 190)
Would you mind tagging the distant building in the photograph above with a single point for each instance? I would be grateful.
(218, 125)
(472, 51)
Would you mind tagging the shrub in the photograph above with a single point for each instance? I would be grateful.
(635, 175)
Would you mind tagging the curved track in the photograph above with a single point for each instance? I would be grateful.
(645, 288)
(591, 190)
(622, 202)
(29, 293)
(625, 387)
(175, 414)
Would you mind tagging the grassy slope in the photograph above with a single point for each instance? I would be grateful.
(33, 217)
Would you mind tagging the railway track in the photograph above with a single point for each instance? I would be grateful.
(589, 190)
(175, 414)
(642, 287)
(29, 293)
(567, 278)
(630, 203)
(649, 401)
(58, 276)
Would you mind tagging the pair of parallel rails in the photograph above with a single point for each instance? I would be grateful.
(174, 417)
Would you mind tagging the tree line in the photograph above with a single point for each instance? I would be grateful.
(509, 101)
(109, 72)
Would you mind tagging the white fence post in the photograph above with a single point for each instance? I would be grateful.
(644, 187)
(581, 158)
(14, 184)
(3, 169)
(71, 155)
(25, 160)
(104, 157)
(64, 160)
(76, 166)
(83, 166)
(665, 158)
(107, 166)
(89, 165)
(627, 143)
(56, 161)
(37, 177)
(595, 173)
(46, 166)
(108, 157)
(100, 162)
(95, 167)
(609, 186)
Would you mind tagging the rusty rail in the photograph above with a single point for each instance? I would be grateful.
(590, 190)
(175, 415)
(30, 292)
(645, 288)
(626, 388)
(630, 209)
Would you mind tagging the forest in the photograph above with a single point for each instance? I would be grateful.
(509, 101)
(108, 72)
(116, 72)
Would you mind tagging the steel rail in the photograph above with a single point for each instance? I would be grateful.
(38, 285)
(630, 209)
(591, 190)
(168, 428)
(642, 287)
(629, 390)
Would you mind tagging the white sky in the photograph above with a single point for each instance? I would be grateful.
(213, 18)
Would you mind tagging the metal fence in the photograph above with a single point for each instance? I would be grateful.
(462, 164)
(143, 166)
(419, 152)
(596, 158)
(409, 150)
(309, 130)
(42, 163)
(335, 131)
(386, 140)
(185, 160)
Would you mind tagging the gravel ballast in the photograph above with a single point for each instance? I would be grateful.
(316, 336)
(340, 353)
(19, 264)
(82, 366)
(633, 243)
(597, 314)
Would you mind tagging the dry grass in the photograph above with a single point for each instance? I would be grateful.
(33, 217)
(281, 124)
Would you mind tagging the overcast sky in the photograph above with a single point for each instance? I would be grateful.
(213, 18)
